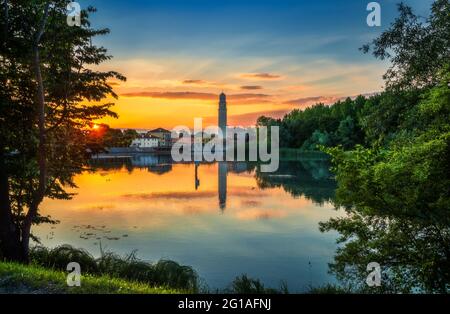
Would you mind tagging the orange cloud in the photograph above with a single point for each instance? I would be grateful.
(327, 100)
(245, 98)
(200, 82)
(251, 87)
(261, 76)
(308, 101)
(173, 95)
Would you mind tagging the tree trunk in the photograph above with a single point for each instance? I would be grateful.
(10, 245)
(39, 194)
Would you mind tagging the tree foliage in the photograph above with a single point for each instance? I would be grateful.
(391, 159)
(417, 48)
(396, 189)
(45, 117)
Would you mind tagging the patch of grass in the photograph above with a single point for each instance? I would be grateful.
(162, 273)
(246, 285)
(21, 278)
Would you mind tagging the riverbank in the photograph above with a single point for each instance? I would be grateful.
(112, 274)
(33, 279)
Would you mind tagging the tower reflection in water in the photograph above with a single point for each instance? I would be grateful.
(223, 173)
(222, 184)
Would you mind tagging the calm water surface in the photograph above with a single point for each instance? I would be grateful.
(224, 219)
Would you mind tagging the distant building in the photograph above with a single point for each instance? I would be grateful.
(146, 141)
(164, 136)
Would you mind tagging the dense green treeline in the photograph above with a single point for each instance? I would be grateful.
(363, 121)
(338, 124)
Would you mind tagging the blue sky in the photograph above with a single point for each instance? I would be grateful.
(205, 46)
(250, 27)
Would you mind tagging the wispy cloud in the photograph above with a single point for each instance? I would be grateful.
(261, 76)
(327, 100)
(197, 82)
(308, 101)
(249, 98)
(251, 87)
(172, 95)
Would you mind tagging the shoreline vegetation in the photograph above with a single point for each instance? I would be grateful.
(32, 279)
(113, 274)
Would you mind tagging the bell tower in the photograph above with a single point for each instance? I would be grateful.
(223, 115)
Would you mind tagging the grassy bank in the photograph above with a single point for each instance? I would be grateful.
(163, 273)
(114, 274)
(18, 278)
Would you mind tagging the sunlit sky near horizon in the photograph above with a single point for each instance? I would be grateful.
(268, 56)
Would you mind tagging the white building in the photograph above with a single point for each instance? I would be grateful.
(165, 136)
(145, 141)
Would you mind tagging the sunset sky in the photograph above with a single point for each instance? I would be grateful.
(269, 57)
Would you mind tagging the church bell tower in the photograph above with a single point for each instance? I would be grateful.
(223, 115)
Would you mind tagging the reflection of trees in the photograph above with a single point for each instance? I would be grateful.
(159, 164)
(413, 251)
(160, 169)
(308, 178)
(240, 167)
(110, 164)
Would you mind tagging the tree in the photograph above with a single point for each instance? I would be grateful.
(317, 139)
(348, 134)
(396, 190)
(51, 94)
(417, 49)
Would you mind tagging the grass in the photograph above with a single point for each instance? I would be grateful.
(21, 278)
(164, 273)
(246, 285)
(113, 274)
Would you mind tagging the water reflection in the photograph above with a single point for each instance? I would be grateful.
(223, 173)
(310, 177)
(197, 180)
(224, 219)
